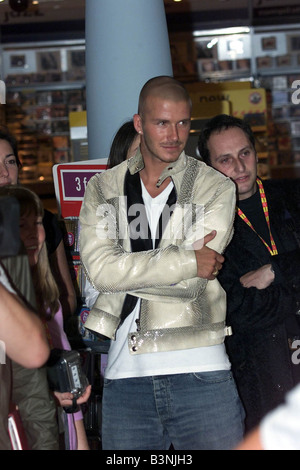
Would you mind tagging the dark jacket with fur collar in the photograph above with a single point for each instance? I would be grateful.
(264, 320)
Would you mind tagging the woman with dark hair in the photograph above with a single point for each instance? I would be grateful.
(124, 145)
(9, 160)
(10, 165)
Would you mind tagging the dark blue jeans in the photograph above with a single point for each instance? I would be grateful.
(190, 411)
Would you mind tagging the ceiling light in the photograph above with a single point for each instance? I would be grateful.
(222, 31)
(212, 43)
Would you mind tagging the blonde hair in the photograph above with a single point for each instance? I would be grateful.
(46, 289)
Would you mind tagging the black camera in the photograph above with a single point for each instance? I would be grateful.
(65, 373)
(10, 242)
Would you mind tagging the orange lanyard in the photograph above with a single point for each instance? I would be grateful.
(273, 249)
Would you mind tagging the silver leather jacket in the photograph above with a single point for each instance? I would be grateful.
(178, 309)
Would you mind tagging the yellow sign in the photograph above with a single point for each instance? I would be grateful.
(249, 104)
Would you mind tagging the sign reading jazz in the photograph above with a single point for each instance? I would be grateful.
(70, 182)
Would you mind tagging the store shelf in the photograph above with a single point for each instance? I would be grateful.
(28, 87)
(45, 81)
(39, 118)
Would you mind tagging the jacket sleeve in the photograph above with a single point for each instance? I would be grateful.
(102, 255)
(37, 408)
(251, 307)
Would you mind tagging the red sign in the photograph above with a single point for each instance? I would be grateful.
(70, 181)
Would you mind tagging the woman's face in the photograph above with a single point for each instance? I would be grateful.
(32, 234)
(8, 164)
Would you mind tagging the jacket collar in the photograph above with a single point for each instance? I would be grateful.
(136, 164)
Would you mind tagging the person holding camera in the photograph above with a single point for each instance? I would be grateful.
(22, 339)
(29, 395)
(32, 234)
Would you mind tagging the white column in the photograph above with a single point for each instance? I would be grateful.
(127, 43)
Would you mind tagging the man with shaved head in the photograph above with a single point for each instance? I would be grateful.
(163, 87)
(153, 230)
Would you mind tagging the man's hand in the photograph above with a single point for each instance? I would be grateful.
(261, 278)
(209, 262)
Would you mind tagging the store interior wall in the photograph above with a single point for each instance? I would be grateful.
(39, 110)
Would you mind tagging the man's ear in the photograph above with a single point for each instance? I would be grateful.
(137, 121)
